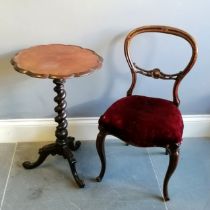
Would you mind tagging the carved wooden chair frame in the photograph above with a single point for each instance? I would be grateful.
(172, 149)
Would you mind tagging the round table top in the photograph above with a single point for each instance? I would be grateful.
(56, 61)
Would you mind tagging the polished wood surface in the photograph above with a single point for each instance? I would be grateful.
(56, 61)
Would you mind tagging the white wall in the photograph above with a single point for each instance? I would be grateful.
(100, 25)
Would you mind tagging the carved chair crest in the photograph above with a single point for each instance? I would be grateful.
(157, 73)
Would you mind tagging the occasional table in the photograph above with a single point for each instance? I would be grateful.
(57, 62)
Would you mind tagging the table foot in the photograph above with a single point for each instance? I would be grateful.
(72, 144)
(43, 153)
(69, 156)
(56, 149)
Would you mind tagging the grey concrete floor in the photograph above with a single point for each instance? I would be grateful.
(133, 178)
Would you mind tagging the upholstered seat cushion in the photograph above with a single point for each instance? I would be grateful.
(144, 121)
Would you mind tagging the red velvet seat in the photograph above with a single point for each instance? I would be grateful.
(158, 121)
(145, 121)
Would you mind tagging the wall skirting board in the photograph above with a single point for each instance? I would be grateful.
(35, 130)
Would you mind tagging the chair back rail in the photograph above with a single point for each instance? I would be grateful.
(157, 73)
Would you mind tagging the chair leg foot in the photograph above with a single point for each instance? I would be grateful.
(101, 152)
(166, 151)
(98, 179)
(173, 161)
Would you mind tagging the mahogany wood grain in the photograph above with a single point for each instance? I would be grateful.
(56, 61)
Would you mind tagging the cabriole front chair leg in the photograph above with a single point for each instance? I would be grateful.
(173, 161)
(101, 152)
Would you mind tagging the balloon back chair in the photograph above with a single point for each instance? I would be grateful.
(146, 121)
